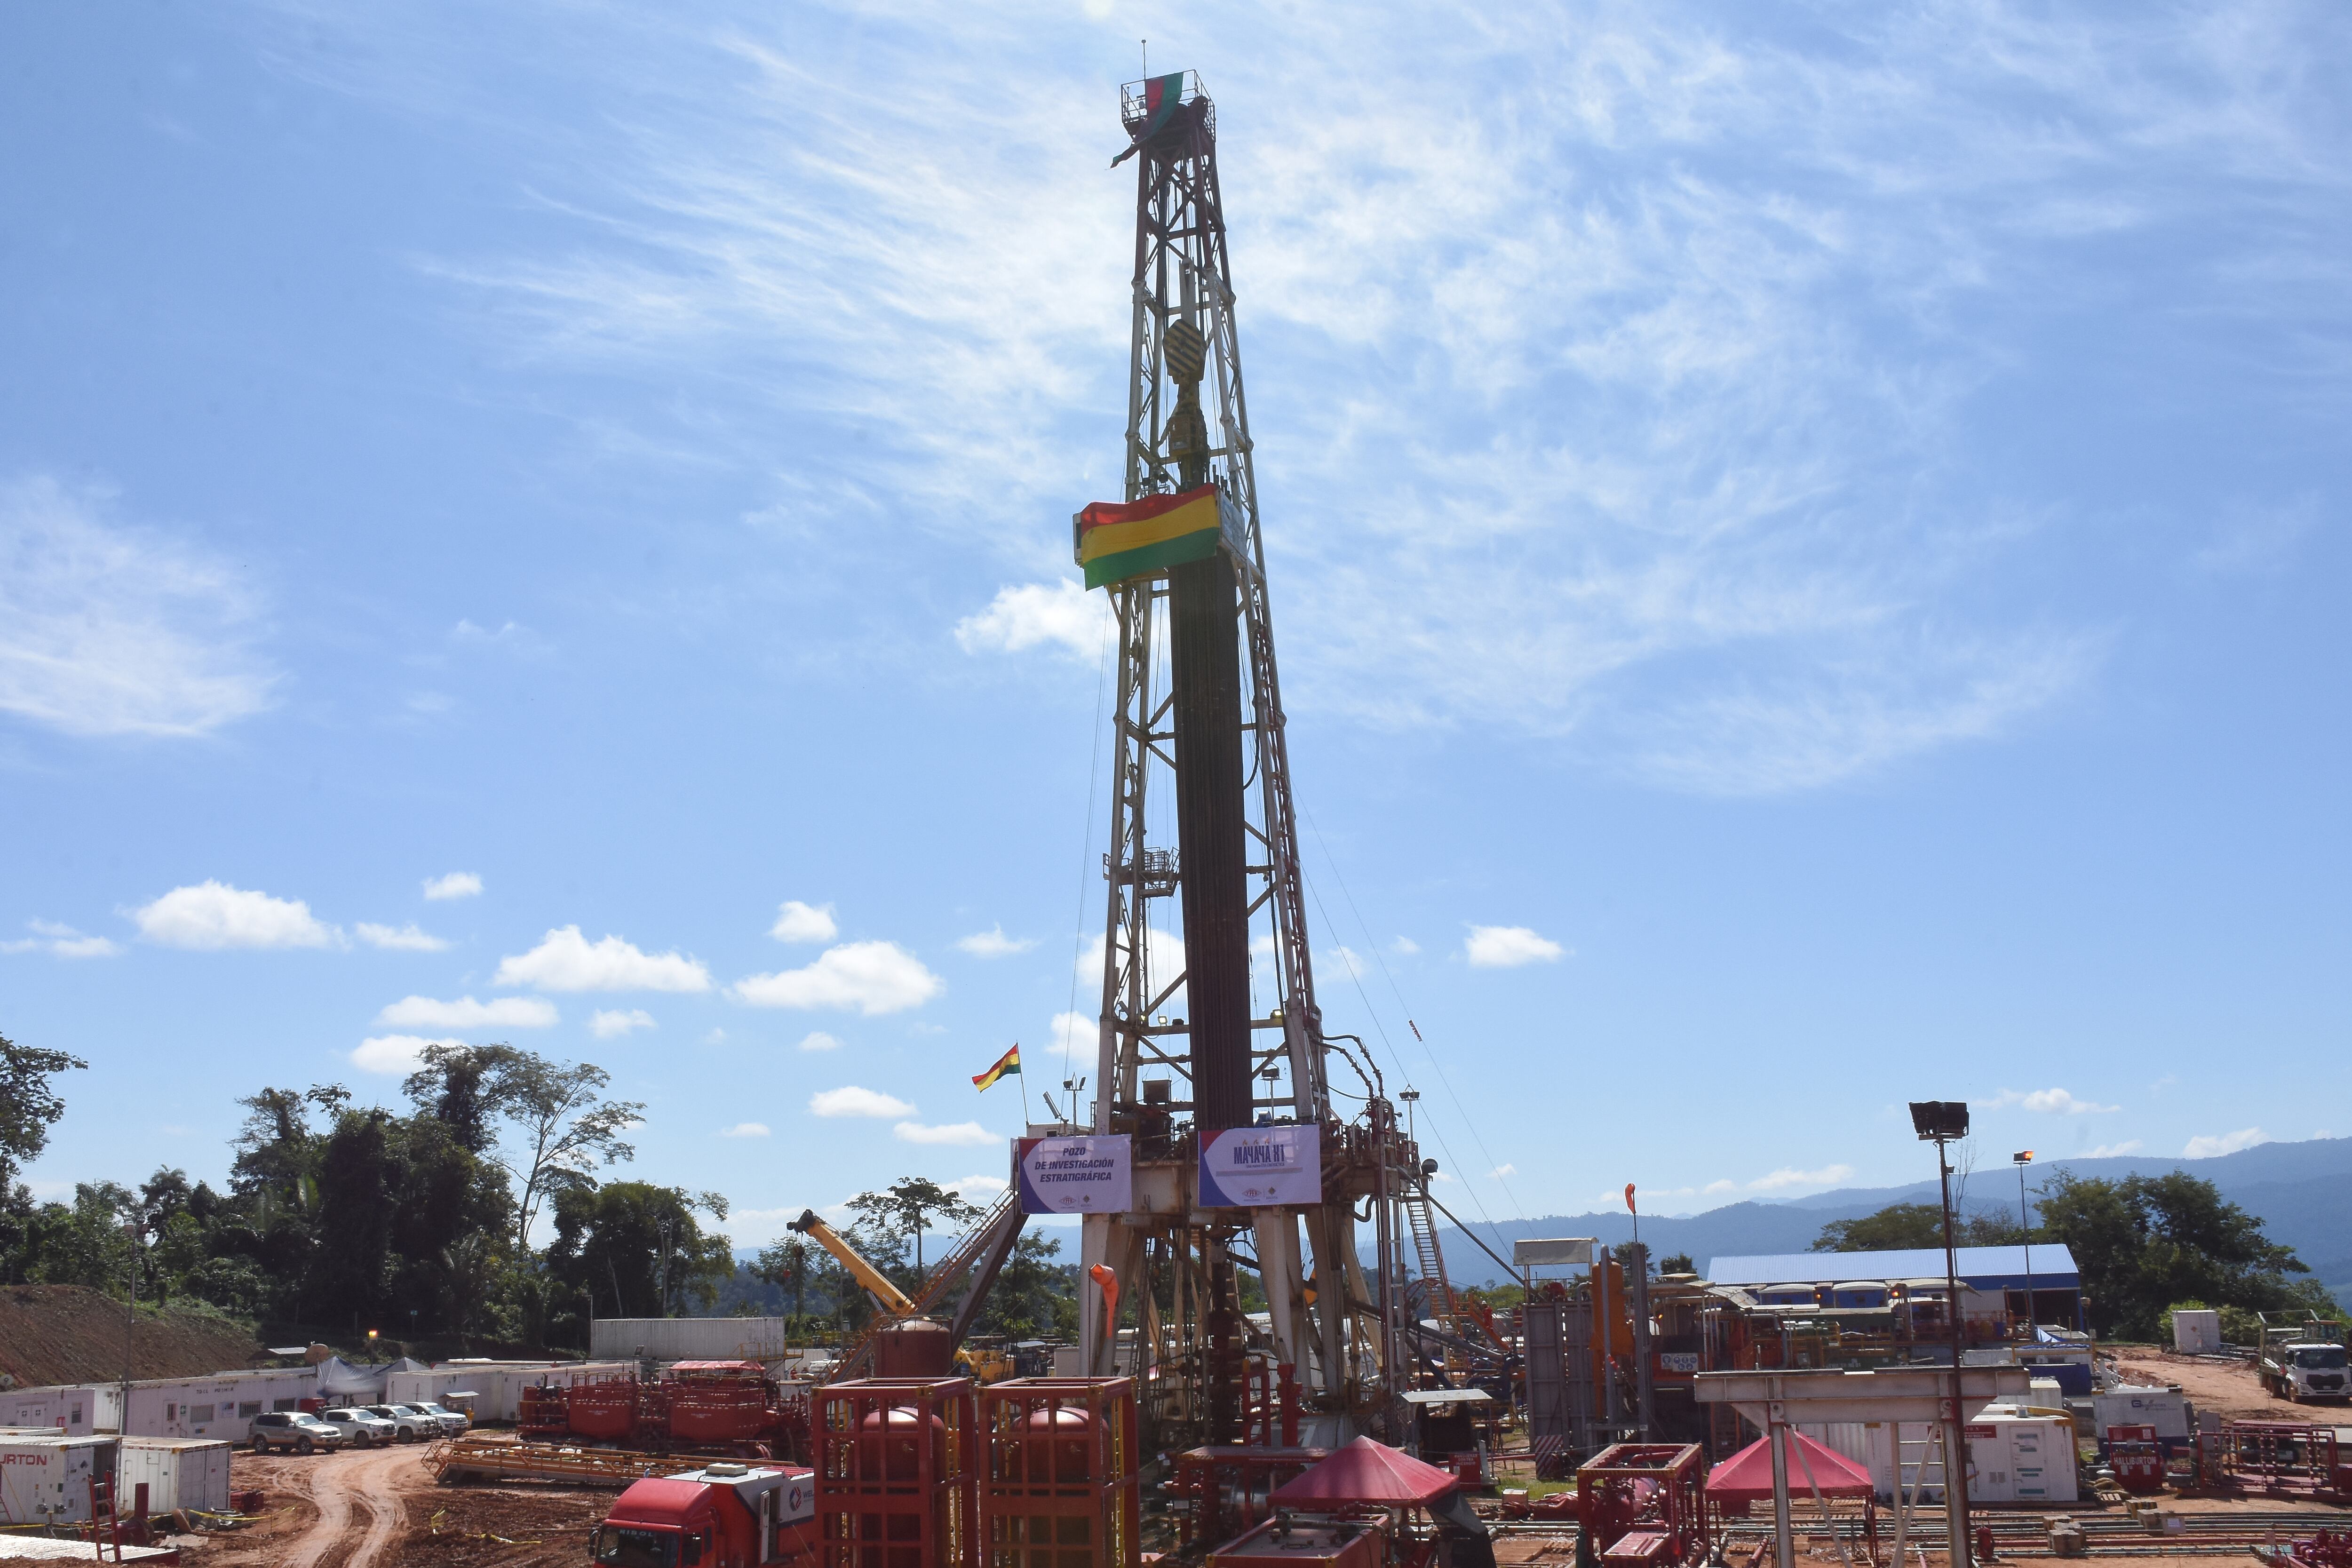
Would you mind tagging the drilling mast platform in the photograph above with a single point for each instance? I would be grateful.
(1217, 1067)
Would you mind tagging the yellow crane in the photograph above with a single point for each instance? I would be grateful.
(983, 1251)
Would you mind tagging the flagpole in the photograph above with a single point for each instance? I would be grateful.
(1025, 1095)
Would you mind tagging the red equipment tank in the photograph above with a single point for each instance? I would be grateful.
(917, 1348)
(603, 1411)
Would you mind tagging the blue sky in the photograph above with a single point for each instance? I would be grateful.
(1808, 546)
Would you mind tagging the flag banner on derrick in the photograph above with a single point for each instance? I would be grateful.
(1010, 1062)
(1162, 97)
(1088, 1173)
(1116, 542)
(1261, 1167)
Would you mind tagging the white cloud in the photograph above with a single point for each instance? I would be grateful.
(852, 1100)
(1788, 1177)
(410, 937)
(1404, 947)
(745, 1129)
(1062, 614)
(118, 631)
(60, 941)
(2055, 1101)
(1716, 1188)
(1076, 1035)
(873, 977)
(986, 1186)
(1504, 1170)
(211, 916)
(455, 885)
(499, 1013)
(2109, 1151)
(1508, 947)
(611, 1022)
(1165, 950)
(2205, 1148)
(394, 1053)
(716, 1037)
(797, 922)
(962, 1133)
(1350, 961)
(818, 1040)
(565, 961)
(993, 943)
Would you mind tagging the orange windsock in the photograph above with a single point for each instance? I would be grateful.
(1107, 1278)
(1628, 1199)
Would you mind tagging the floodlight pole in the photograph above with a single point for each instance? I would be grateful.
(2025, 1234)
(1956, 1440)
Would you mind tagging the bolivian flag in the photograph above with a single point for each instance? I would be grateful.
(1119, 542)
(1010, 1062)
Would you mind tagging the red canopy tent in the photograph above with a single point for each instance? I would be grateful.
(1746, 1475)
(1369, 1472)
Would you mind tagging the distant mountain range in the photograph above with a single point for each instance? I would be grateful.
(2300, 1192)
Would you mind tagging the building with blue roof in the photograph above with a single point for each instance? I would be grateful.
(2048, 1267)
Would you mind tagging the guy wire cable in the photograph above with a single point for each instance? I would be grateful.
(1493, 1166)
(1085, 843)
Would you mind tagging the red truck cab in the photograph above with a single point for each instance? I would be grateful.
(721, 1516)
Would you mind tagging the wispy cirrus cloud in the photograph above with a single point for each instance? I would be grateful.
(1629, 376)
(59, 940)
(107, 629)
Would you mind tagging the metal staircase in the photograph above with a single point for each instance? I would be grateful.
(1421, 1220)
(987, 1244)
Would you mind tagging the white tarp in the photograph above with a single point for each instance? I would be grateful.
(358, 1383)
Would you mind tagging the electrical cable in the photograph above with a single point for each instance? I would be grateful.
(1372, 946)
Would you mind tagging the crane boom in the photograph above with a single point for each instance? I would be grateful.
(875, 1283)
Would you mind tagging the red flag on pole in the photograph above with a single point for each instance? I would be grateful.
(1628, 1199)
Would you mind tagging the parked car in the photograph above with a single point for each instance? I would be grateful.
(456, 1422)
(409, 1425)
(292, 1432)
(360, 1429)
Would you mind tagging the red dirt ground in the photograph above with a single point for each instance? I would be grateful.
(64, 1333)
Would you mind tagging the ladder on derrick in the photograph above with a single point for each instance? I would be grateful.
(1420, 1218)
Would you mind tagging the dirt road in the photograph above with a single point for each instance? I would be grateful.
(2219, 1386)
(359, 1498)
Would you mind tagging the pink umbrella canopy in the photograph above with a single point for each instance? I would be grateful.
(1369, 1472)
(1746, 1475)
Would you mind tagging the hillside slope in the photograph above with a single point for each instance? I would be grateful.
(64, 1333)
(2298, 1190)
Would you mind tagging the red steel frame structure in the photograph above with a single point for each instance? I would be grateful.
(1612, 1500)
(897, 1472)
(1059, 1474)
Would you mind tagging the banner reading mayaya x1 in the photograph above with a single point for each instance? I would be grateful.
(1262, 1167)
(1084, 1173)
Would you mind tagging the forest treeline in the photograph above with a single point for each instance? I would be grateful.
(484, 1209)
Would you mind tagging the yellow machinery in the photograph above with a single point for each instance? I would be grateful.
(980, 1255)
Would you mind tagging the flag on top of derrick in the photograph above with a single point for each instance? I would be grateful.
(1117, 541)
(1010, 1062)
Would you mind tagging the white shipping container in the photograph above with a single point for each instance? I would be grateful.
(2021, 1458)
(216, 1406)
(688, 1338)
(1921, 1460)
(179, 1472)
(2196, 1331)
(46, 1480)
(75, 1411)
(2166, 1409)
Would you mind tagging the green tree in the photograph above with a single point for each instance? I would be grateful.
(29, 1104)
(1035, 1296)
(909, 1207)
(559, 1126)
(1906, 1226)
(638, 1248)
(1678, 1263)
(2143, 1243)
(787, 1264)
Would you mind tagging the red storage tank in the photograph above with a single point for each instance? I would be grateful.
(604, 1411)
(919, 1348)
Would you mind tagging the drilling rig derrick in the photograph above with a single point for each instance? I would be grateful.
(1215, 1048)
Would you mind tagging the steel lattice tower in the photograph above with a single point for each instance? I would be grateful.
(1198, 716)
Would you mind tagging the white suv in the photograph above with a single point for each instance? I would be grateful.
(409, 1425)
(359, 1430)
(456, 1422)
